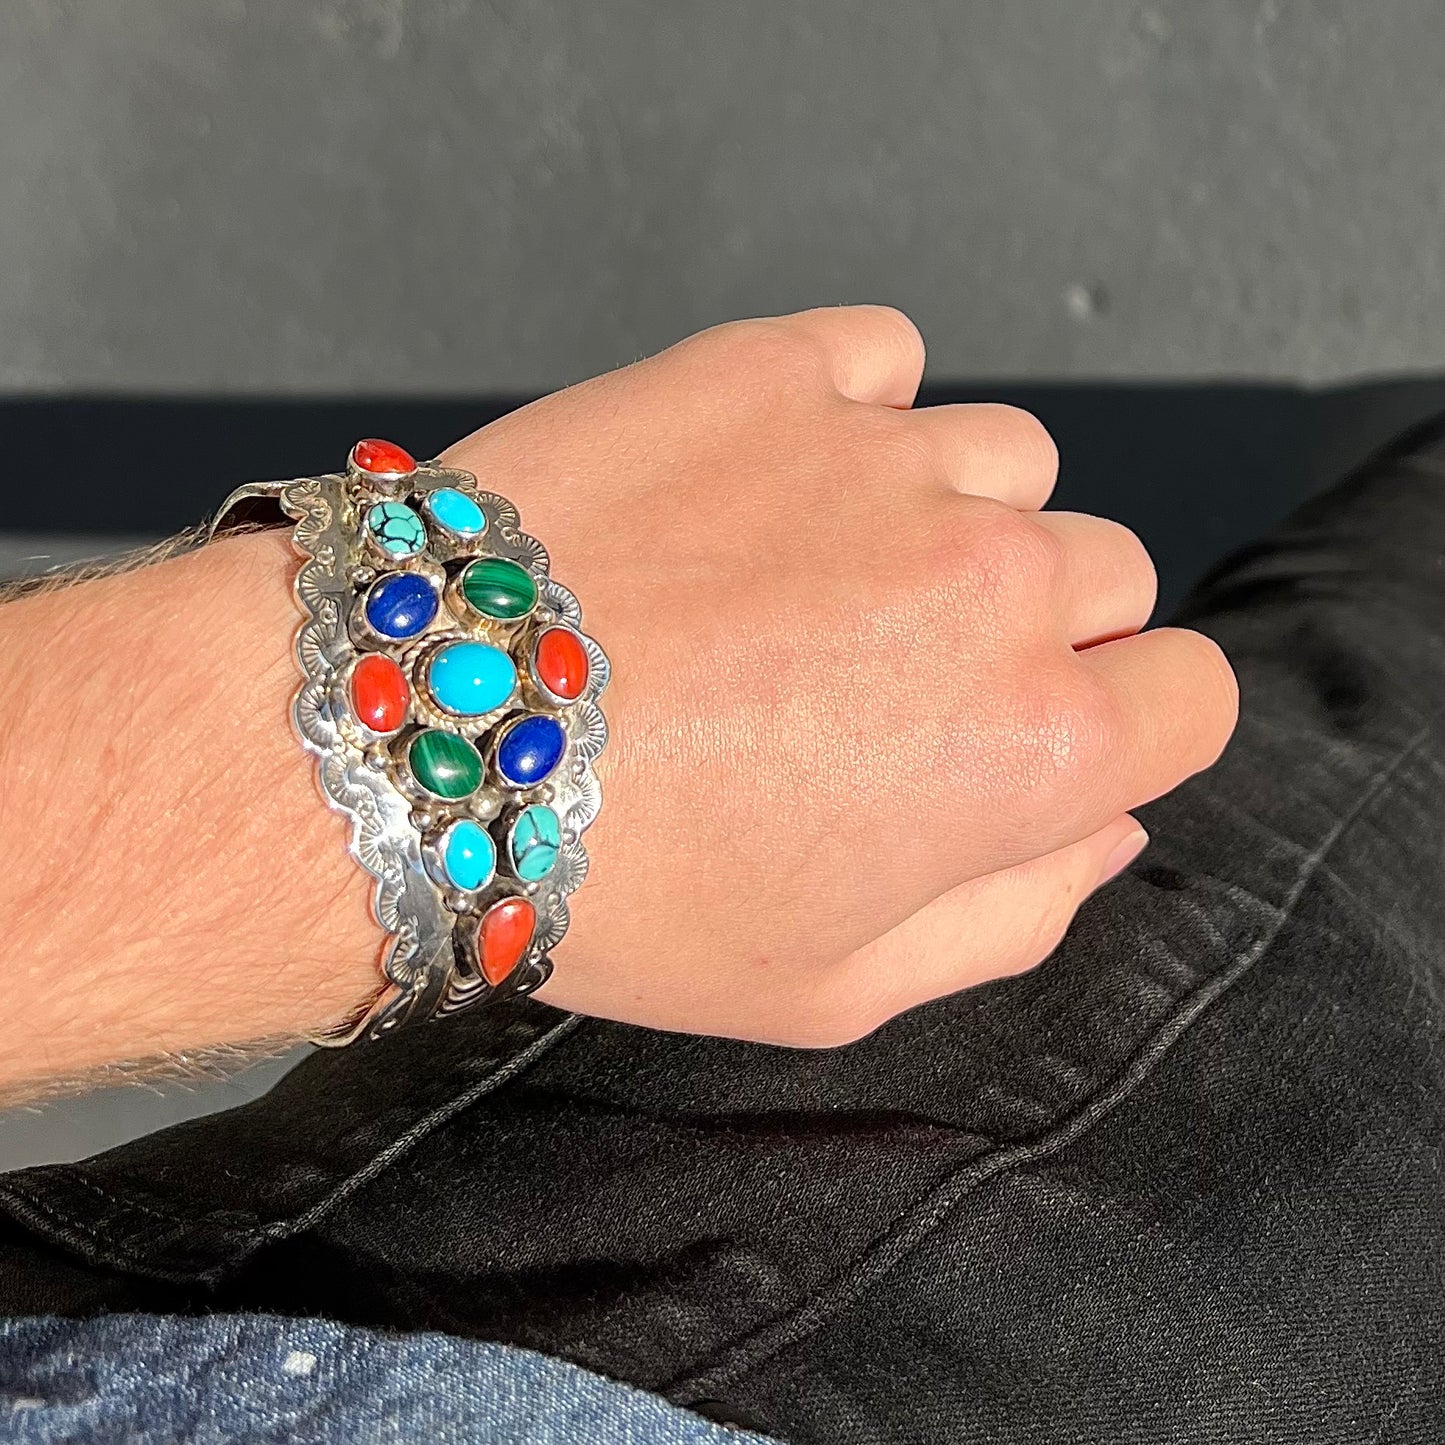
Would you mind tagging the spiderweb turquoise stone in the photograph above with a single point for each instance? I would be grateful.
(397, 530)
(534, 843)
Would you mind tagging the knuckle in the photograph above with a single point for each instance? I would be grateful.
(1218, 688)
(1037, 554)
(1021, 433)
(889, 447)
(1048, 928)
(1044, 935)
(1116, 559)
(1009, 550)
(1068, 726)
(994, 563)
(901, 328)
(776, 347)
(1136, 557)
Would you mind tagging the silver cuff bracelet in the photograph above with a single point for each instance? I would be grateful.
(450, 698)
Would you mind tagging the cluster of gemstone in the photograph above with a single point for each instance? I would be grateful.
(499, 692)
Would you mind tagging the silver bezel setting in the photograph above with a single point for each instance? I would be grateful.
(369, 577)
(457, 599)
(506, 854)
(452, 542)
(429, 959)
(517, 789)
(434, 854)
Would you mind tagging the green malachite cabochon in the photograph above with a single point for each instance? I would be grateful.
(444, 763)
(499, 588)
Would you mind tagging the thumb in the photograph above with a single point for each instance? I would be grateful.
(1000, 924)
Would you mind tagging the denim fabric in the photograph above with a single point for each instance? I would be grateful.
(1184, 1182)
(147, 1380)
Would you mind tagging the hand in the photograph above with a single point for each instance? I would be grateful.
(876, 719)
(871, 739)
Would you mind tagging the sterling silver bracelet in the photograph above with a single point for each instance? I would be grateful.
(450, 697)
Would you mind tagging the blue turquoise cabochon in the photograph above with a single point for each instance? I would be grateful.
(456, 511)
(468, 855)
(470, 678)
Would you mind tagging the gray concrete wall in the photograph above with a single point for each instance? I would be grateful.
(494, 195)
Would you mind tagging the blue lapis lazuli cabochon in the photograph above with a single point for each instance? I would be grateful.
(400, 604)
(470, 678)
(456, 511)
(468, 855)
(530, 749)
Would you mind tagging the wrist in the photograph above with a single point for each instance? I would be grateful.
(180, 883)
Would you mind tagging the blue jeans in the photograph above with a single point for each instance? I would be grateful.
(146, 1379)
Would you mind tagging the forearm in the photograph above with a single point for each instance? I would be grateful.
(172, 880)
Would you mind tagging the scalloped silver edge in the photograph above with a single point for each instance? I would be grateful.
(419, 957)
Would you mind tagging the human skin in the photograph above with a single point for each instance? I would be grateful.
(877, 723)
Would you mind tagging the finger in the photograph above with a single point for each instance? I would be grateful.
(1107, 583)
(987, 449)
(873, 353)
(992, 927)
(1172, 703)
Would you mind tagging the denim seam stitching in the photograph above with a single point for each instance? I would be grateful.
(913, 1228)
(131, 1204)
(67, 1227)
(61, 1226)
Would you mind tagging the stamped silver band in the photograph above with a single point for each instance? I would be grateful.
(450, 698)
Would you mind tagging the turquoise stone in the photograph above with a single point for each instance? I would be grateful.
(471, 678)
(396, 529)
(456, 511)
(534, 843)
(468, 855)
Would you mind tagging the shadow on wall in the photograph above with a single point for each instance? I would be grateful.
(1195, 470)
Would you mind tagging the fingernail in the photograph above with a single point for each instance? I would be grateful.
(1125, 852)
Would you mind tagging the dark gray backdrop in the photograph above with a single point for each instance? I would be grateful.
(483, 196)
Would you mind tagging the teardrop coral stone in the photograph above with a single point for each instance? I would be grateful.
(503, 936)
(382, 459)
